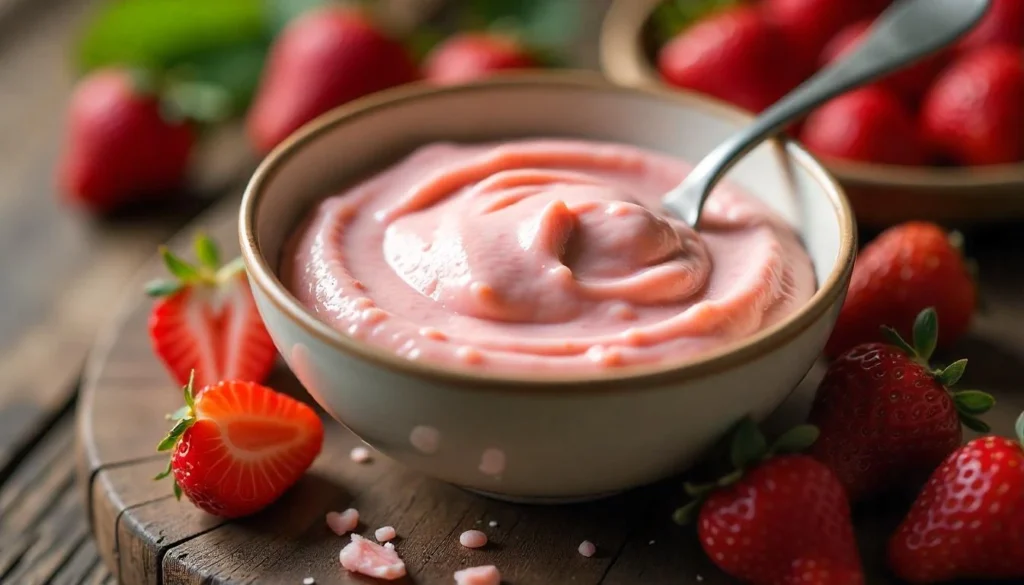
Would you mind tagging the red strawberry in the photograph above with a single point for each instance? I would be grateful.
(779, 518)
(118, 144)
(809, 24)
(973, 115)
(910, 82)
(886, 418)
(324, 58)
(968, 522)
(206, 321)
(906, 269)
(868, 125)
(733, 55)
(470, 56)
(237, 446)
(1002, 24)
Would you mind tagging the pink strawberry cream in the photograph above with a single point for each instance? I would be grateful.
(542, 255)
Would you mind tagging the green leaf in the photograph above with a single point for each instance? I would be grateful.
(201, 102)
(974, 424)
(688, 513)
(973, 401)
(698, 490)
(188, 391)
(207, 252)
(281, 12)
(748, 444)
(178, 267)
(1019, 427)
(217, 84)
(894, 338)
(172, 437)
(178, 414)
(796, 439)
(163, 287)
(165, 472)
(177, 491)
(159, 33)
(550, 24)
(926, 333)
(422, 40)
(952, 373)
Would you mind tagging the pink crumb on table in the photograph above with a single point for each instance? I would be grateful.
(384, 533)
(371, 559)
(359, 454)
(473, 539)
(343, 522)
(485, 575)
(587, 548)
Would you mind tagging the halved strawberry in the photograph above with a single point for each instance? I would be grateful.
(237, 446)
(206, 320)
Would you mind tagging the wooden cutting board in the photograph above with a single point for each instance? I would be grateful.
(147, 538)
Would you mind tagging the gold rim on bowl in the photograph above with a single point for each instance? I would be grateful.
(632, 378)
(625, 61)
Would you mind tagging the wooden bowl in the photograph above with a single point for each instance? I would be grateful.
(881, 194)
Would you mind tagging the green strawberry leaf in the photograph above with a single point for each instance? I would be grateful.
(159, 33)
(176, 266)
(177, 491)
(549, 27)
(973, 401)
(188, 392)
(281, 12)
(952, 373)
(166, 472)
(975, 424)
(178, 414)
(163, 287)
(795, 440)
(893, 338)
(926, 333)
(1019, 427)
(748, 444)
(688, 513)
(207, 252)
(673, 16)
(172, 437)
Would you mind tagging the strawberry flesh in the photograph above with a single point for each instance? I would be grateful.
(471, 56)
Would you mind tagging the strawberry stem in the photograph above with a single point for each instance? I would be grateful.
(208, 272)
(184, 418)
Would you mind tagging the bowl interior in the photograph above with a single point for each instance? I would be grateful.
(357, 139)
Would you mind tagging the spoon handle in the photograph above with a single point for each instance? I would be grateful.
(907, 31)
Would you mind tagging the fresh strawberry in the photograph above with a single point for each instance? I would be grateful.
(886, 418)
(968, 522)
(1003, 24)
(867, 125)
(237, 446)
(906, 269)
(118, 144)
(809, 24)
(206, 321)
(324, 58)
(734, 55)
(470, 56)
(779, 518)
(973, 115)
(909, 83)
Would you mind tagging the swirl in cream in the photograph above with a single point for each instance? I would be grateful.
(544, 255)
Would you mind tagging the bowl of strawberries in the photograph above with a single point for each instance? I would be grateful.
(941, 139)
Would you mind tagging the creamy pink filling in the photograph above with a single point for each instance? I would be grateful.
(542, 255)
(371, 559)
(485, 575)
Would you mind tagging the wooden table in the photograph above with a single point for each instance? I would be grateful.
(63, 273)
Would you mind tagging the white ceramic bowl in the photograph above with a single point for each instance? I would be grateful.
(556, 439)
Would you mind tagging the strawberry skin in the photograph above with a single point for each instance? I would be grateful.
(779, 518)
(888, 420)
(470, 56)
(809, 24)
(239, 446)
(206, 322)
(1003, 24)
(909, 83)
(734, 55)
(118, 145)
(973, 115)
(867, 125)
(968, 522)
(323, 59)
(906, 269)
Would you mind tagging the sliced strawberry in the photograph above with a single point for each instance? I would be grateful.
(206, 320)
(237, 446)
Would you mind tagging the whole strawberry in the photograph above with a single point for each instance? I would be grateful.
(780, 518)
(1003, 24)
(119, 145)
(809, 24)
(205, 321)
(906, 269)
(909, 83)
(973, 115)
(236, 447)
(322, 59)
(734, 55)
(867, 125)
(470, 56)
(968, 522)
(887, 419)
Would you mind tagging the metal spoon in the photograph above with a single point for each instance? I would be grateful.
(907, 31)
